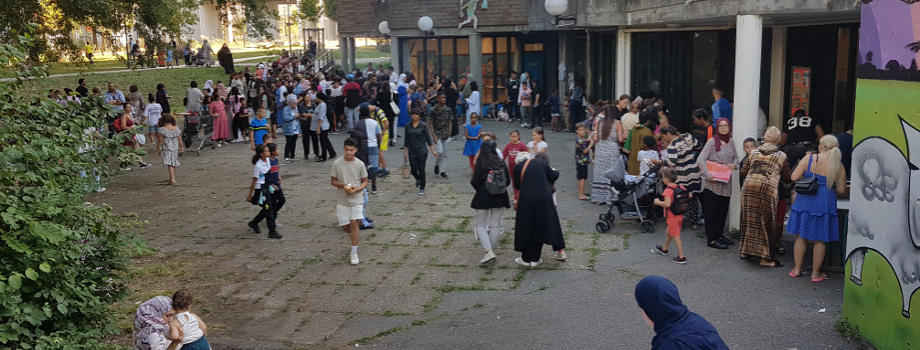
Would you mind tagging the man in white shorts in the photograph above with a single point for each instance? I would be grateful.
(349, 175)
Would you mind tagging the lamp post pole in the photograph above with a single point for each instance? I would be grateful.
(288, 24)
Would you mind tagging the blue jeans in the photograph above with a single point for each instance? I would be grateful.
(364, 220)
(373, 155)
(200, 344)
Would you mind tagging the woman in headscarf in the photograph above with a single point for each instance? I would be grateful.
(138, 104)
(676, 328)
(225, 58)
(206, 52)
(763, 169)
(209, 85)
(150, 327)
(536, 222)
(474, 103)
(606, 155)
(634, 144)
(402, 89)
(720, 149)
(163, 98)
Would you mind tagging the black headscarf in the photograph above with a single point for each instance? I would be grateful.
(675, 326)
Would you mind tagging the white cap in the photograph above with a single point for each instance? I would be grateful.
(261, 65)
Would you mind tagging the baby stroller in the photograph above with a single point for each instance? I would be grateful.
(634, 199)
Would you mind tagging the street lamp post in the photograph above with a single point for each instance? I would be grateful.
(288, 24)
(425, 24)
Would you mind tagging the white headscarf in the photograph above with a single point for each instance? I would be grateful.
(207, 85)
(402, 81)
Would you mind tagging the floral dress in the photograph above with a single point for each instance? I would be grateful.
(170, 146)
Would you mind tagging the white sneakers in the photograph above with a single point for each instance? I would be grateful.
(535, 263)
(354, 259)
(488, 257)
(560, 255)
(521, 262)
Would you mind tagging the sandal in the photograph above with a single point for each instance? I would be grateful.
(794, 275)
(776, 263)
(819, 279)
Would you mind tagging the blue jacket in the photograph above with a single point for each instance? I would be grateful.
(291, 125)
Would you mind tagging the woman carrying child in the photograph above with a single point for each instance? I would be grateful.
(490, 180)
(170, 146)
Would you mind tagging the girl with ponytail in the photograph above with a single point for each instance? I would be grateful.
(264, 192)
(814, 216)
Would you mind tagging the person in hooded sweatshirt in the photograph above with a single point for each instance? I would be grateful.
(676, 328)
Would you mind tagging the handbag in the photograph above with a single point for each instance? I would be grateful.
(406, 170)
(394, 107)
(808, 184)
(523, 171)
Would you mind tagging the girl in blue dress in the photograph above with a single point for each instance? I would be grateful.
(814, 216)
(473, 138)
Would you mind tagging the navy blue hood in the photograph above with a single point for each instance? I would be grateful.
(675, 326)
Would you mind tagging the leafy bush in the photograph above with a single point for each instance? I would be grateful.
(62, 262)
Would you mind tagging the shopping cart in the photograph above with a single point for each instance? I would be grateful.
(195, 126)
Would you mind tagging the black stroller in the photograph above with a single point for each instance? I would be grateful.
(634, 199)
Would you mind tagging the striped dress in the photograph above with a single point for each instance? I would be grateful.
(682, 157)
(763, 170)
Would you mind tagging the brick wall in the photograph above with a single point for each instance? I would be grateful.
(358, 16)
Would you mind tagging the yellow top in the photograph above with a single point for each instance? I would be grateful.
(89, 48)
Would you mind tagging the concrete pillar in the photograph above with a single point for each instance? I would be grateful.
(624, 62)
(747, 95)
(563, 85)
(343, 50)
(476, 59)
(352, 63)
(589, 63)
(395, 57)
(778, 77)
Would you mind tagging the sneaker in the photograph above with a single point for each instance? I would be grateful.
(417, 183)
(680, 260)
(220, 144)
(255, 227)
(535, 263)
(287, 160)
(659, 250)
(726, 241)
(374, 190)
(560, 256)
(521, 262)
(444, 176)
(437, 169)
(421, 191)
(487, 258)
(100, 189)
(368, 227)
(295, 159)
(336, 133)
(354, 259)
(144, 166)
(278, 224)
(274, 235)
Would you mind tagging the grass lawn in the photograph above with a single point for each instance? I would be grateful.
(176, 81)
(111, 62)
(366, 52)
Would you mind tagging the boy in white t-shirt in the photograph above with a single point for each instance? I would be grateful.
(349, 175)
(152, 112)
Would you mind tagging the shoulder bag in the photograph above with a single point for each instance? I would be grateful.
(523, 171)
(808, 184)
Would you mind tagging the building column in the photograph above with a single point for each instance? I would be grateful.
(351, 53)
(624, 62)
(475, 59)
(778, 77)
(395, 57)
(343, 50)
(589, 63)
(747, 95)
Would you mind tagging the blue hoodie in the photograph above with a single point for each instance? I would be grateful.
(676, 328)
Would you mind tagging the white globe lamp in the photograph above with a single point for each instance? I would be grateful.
(556, 7)
(384, 27)
(425, 24)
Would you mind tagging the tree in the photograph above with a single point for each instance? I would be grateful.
(256, 12)
(331, 9)
(62, 262)
(310, 10)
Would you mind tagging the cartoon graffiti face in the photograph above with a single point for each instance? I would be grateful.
(913, 145)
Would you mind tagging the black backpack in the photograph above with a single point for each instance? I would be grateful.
(496, 183)
(680, 204)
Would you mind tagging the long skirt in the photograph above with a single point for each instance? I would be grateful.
(607, 156)
(758, 219)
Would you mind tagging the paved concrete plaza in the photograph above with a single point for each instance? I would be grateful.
(419, 284)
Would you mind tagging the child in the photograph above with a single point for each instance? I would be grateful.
(669, 176)
(241, 122)
(473, 138)
(560, 253)
(537, 145)
(510, 154)
(350, 176)
(274, 178)
(749, 145)
(190, 324)
(553, 103)
(264, 197)
(170, 145)
(258, 128)
(152, 113)
(583, 146)
(649, 151)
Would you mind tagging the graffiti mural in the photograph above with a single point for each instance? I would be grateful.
(883, 236)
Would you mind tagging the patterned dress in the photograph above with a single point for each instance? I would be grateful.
(606, 156)
(682, 157)
(763, 170)
(170, 146)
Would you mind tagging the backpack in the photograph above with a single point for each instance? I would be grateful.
(680, 204)
(496, 183)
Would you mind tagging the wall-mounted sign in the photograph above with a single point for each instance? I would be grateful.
(801, 90)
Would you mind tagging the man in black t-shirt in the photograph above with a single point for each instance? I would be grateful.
(312, 48)
(800, 136)
(513, 88)
(82, 90)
